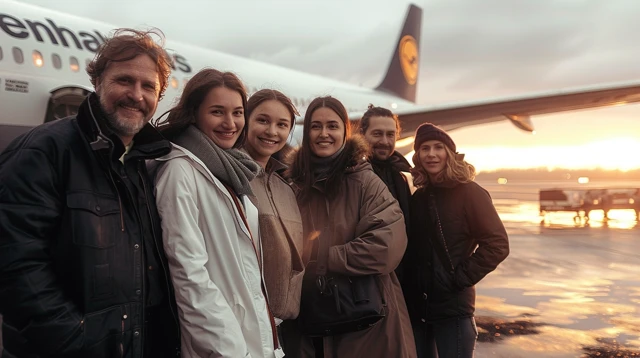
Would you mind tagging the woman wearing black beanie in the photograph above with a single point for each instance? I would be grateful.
(456, 239)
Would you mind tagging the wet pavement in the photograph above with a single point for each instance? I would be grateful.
(568, 289)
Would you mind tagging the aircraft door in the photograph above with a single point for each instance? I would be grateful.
(64, 102)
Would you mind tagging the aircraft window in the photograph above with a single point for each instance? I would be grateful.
(17, 55)
(0, 53)
(57, 62)
(37, 58)
(73, 63)
(174, 82)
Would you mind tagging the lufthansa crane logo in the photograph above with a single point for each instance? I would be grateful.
(408, 53)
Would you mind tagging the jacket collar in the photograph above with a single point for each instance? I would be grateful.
(447, 184)
(396, 161)
(147, 144)
(275, 166)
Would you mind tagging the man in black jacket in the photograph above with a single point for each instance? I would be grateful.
(82, 269)
(381, 128)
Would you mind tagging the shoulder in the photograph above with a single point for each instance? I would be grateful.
(176, 169)
(473, 189)
(357, 149)
(49, 137)
(420, 193)
(280, 180)
(178, 163)
(50, 144)
(363, 175)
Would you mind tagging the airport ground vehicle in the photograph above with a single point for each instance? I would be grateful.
(583, 201)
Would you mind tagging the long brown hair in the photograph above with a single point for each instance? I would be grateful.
(301, 170)
(127, 44)
(456, 169)
(194, 93)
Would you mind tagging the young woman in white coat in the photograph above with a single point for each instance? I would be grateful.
(209, 225)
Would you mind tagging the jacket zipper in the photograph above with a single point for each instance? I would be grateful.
(141, 252)
(164, 268)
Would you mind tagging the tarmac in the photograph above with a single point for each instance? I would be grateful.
(567, 289)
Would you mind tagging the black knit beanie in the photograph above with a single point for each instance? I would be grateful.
(428, 131)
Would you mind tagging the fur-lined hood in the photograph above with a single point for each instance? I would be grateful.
(356, 147)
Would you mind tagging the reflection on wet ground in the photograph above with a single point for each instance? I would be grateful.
(492, 330)
(566, 290)
(607, 348)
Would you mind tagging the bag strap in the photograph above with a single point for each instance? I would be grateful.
(439, 245)
(274, 333)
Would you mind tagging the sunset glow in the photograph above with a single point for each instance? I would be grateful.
(609, 154)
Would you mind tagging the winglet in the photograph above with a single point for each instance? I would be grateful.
(402, 74)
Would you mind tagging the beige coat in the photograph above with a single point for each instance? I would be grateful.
(370, 239)
(281, 235)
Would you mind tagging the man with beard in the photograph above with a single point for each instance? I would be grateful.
(82, 270)
(381, 128)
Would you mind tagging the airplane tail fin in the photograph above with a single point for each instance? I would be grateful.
(402, 74)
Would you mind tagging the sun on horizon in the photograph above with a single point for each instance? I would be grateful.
(621, 153)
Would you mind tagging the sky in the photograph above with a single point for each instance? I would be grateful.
(470, 50)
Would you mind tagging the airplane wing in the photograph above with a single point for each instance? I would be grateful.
(518, 110)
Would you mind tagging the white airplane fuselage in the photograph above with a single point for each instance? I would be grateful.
(41, 34)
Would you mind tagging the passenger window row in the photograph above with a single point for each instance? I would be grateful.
(74, 65)
(39, 60)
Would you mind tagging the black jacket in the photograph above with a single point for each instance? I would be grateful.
(476, 242)
(390, 171)
(79, 240)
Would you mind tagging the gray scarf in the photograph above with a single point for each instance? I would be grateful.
(232, 166)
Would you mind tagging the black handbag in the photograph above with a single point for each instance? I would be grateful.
(334, 304)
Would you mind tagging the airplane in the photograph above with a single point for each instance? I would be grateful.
(43, 53)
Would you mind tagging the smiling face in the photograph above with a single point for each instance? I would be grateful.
(269, 128)
(433, 157)
(128, 93)
(381, 135)
(326, 134)
(221, 116)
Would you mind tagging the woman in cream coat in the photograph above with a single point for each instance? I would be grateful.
(210, 227)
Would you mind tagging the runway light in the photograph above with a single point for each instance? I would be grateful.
(583, 180)
(394, 105)
(502, 181)
(631, 201)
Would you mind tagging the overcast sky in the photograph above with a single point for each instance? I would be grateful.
(470, 49)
